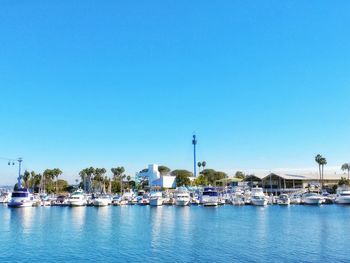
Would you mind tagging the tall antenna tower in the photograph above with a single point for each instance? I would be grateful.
(194, 142)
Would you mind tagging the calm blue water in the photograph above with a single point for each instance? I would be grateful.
(176, 234)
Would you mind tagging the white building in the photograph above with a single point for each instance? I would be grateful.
(156, 179)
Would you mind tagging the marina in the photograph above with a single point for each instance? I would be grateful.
(174, 131)
(147, 233)
(182, 196)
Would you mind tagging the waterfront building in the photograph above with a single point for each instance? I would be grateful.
(279, 182)
(156, 179)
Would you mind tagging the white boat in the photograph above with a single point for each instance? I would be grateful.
(103, 200)
(237, 197)
(45, 200)
(182, 197)
(156, 199)
(210, 197)
(343, 196)
(194, 201)
(295, 199)
(143, 201)
(312, 199)
(258, 197)
(78, 198)
(128, 197)
(283, 199)
(21, 198)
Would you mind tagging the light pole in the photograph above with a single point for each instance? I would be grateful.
(19, 173)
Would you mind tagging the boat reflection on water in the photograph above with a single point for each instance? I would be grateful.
(78, 217)
(23, 218)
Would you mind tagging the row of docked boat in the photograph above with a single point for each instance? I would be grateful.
(210, 196)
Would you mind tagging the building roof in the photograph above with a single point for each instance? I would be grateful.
(229, 180)
(303, 176)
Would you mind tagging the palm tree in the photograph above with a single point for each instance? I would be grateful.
(346, 166)
(56, 172)
(128, 178)
(118, 174)
(99, 172)
(26, 177)
(86, 178)
(323, 163)
(47, 176)
(318, 158)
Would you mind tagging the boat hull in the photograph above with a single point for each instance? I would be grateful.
(100, 202)
(260, 202)
(156, 202)
(313, 201)
(77, 203)
(182, 202)
(19, 204)
(210, 203)
(343, 200)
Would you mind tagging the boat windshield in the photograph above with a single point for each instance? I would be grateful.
(210, 193)
(19, 194)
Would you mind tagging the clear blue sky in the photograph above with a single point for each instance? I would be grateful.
(264, 84)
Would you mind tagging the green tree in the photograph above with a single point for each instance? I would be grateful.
(182, 177)
(47, 180)
(99, 178)
(163, 169)
(56, 172)
(346, 167)
(116, 186)
(201, 180)
(118, 174)
(239, 175)
(211, 175)
(344, 181)
(26, 178)
(61, 185)
(86, 178)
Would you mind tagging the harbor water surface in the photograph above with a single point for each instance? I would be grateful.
(175, 234)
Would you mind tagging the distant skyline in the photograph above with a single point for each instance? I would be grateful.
(264, 85)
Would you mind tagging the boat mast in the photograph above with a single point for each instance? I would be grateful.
(19, 173)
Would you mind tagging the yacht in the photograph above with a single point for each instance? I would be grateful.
(128, 197)
(258, 197)
(103, 200)
(237, 197)
(116, 200)
(45, 200)
(210, 197)
(283, 199)
(182, 197)
(343, 196)
(156, 199)
(312, 199)
(78, 198)
(21, 198)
